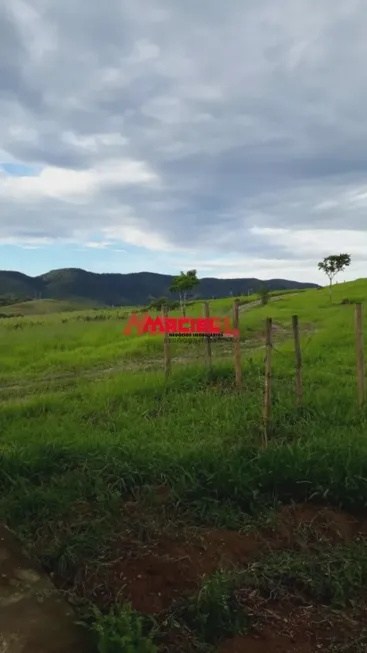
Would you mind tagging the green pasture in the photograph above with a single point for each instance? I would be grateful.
(87, 419)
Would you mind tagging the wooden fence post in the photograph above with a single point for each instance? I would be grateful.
(360, 357)
(166, 347)
(267, 397)
(297, 349)
(208, 344)
(237, 344)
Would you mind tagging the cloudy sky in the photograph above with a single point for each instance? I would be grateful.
(169, 134)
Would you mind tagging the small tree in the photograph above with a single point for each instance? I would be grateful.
(182, 284)
(331, 265)
(264, 295)
(157, 304)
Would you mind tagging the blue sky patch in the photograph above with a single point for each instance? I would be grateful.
(19, 170)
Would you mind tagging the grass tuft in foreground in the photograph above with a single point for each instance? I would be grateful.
(120, 631)
(334, 576)
(214, 612)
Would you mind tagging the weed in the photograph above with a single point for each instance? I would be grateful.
(215, 612)
(121, 631)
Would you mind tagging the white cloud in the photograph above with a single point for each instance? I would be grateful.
(97, 245)
(138, 237)
(326, 205)
(308, 244)
(28, 243)
(74, 185)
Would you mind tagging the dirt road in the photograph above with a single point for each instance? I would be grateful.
(257, 302)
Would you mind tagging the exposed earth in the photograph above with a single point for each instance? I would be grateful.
(156, 570)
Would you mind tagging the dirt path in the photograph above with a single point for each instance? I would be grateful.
(33, 616)
(257, 302)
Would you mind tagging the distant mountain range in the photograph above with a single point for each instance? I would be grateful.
(137, 288)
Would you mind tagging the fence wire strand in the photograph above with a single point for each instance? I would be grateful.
(304, 347)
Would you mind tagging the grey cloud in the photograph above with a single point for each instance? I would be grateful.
(14, 84)
(251, 115)
(51, 150)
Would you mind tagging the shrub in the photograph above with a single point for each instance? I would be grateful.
(264, 296)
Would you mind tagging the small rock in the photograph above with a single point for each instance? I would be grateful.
(4, 555)
(28, 575)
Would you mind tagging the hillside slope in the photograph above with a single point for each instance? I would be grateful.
(123, 289)
(43, 307)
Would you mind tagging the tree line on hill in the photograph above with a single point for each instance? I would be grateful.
(8, 300)
(134, 289)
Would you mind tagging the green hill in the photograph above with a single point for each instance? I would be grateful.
(75, 285)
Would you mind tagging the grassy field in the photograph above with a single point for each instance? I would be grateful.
(55, 344)
(133, 490)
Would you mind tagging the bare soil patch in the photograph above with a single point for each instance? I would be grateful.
(155, 574)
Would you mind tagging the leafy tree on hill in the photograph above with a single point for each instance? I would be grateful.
(334, 264)
(182, 284)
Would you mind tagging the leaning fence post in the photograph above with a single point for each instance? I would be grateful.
(297, 349)
(166, 347)
(237, 344)
(267, 396)
(208, 344)
(360, 357)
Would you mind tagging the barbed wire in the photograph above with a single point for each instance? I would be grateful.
(304, 347)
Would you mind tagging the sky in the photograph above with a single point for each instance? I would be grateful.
(156, 135)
